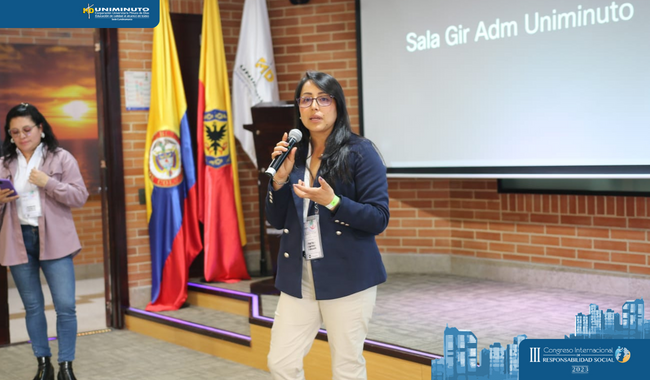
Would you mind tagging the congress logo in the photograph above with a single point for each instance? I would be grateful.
(622, 354)
(165, 159)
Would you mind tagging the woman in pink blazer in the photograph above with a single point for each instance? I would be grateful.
(37, 230)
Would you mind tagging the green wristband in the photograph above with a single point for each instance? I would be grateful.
(333, 203)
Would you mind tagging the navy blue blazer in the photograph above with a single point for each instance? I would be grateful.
(351, 261)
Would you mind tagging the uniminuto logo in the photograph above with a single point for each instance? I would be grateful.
(89, 10)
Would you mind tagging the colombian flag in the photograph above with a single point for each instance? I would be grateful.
(220, 201)
(170, 180)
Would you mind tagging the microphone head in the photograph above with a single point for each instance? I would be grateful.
(295, 134)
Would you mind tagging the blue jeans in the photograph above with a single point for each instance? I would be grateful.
(59, 274)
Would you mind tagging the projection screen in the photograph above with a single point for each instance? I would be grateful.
(507, 88)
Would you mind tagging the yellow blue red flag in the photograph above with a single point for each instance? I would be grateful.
(169, 173)
(220, 200)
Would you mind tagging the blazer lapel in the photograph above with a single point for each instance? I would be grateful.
(13, 167)
(298, 173)
(46, 165)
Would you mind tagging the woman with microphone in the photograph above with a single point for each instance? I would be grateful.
(330, 199)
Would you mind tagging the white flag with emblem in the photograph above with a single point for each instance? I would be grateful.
(254, 75)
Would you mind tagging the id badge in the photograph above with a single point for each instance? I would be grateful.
(31, 205)
(313, 245)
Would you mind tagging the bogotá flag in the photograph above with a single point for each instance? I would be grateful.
(169, 174)
(220, 201)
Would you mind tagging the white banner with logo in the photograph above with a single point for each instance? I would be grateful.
(254, 75)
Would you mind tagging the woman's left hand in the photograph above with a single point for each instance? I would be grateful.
(322, 195)
(38, 178)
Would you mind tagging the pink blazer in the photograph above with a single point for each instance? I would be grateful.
(58, 236)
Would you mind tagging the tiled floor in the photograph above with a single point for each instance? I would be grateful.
(90, 310)
(125, 355)
(411, 311)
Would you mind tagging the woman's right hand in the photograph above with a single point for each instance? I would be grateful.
(5, 196)
(282, 175)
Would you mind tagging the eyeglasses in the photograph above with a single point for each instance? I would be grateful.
(26, 129)
(23, 107)
(322, 100)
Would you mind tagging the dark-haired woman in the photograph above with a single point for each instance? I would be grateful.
(37, 230)
(330, 199)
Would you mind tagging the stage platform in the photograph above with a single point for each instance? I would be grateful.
(412, 310)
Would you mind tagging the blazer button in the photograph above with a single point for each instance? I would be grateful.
(336, 221)
(286, 254)
(286, 230)
(347, 225)
(338, 232)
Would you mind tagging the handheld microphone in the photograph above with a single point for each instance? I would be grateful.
(294, 137)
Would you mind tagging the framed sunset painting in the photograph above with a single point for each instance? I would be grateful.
(60, 82)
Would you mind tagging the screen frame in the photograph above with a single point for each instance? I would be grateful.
(611, 171)
(505, 187)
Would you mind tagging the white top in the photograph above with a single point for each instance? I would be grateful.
(22, 185)
(308, 182)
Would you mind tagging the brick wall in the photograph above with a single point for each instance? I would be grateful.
(135, 54)
(88, 219)
(331, 32)
(462, 217)
(469, 218)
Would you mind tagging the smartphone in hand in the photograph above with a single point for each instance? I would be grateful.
(6, 184)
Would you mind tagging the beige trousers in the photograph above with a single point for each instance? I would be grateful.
(297, 322)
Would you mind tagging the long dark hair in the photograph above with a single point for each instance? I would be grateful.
(23, 109)
(334, 162)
